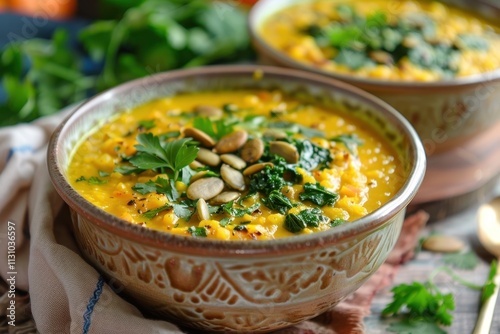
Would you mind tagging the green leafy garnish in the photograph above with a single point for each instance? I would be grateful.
(96, 180)
(489, 286)
(150, 214)
(147, 124)
(169, 157)
(350, 141)
(411, 326)
(318, 194)
(225, 221)
(81, 178)
(277, 201)
(306, 218)
(467, 260)
(160, 186)
(313, 156)
(197, 231)
(267, 180)
(183, 211)
(215, 129)
(423, 301)
(239, 212)
(337, 222)
(103, 174)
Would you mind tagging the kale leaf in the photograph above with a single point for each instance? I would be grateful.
(318, 194)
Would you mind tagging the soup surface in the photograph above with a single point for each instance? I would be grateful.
(389, 40)
(236, 165)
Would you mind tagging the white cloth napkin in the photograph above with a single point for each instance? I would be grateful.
(67, 294)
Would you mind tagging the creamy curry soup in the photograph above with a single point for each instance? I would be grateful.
(246, 165)
(390, 40)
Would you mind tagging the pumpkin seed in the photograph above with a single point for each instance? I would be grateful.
(285, 150)
(208, 111)
(205, 188)
(234, 161)
(443, 244)
(200, 136)
(257, 168)
(196, 164)
(199, 175)
(202, 209)
(252, 150)
(225, 197)
(231, 142)
(232, 177)
(208, 157)
(275, 133)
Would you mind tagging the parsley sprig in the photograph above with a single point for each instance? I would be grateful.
(168, 157)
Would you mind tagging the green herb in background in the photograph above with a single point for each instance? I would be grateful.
(160, 35)
(423, 308)
(40, 77)
(54, 79)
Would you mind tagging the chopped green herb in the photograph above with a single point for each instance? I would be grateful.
(277, 201)
(161, 186)
(305, 218)
(215, 129)
(313, 156)
(240, 228)
(350, 141)
(225, 221)
(183, 211)
(103, 174)
(150, 214)
(169, 135)
(337, 222)
(197, 231)
(318, 194)
(267, 180)
(96, 180)
(147, 124)
(239, 212)
(467, 260)
(81, 178)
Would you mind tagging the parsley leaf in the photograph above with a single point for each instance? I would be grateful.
(350, 141)
(215, 129)
(318, 194)
(96, 180)
(197, 231)
(160, 186)
(183, 211)
(150, 214)
(423, 302)
(147, 124)
(408, 326)
(467, 260)
(173, 155)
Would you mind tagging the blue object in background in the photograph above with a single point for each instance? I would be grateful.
(20, 27)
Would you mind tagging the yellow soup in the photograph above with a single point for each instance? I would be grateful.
(388, 40)
(248, 165)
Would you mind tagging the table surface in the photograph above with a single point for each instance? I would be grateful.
(462, 225)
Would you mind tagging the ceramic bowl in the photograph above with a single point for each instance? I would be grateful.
(235, 285)
(445, 114)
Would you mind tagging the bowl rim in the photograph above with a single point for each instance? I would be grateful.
(210, 247)
(261, 8)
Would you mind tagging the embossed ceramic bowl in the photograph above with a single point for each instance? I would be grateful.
(445, 114)
(237, 286)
